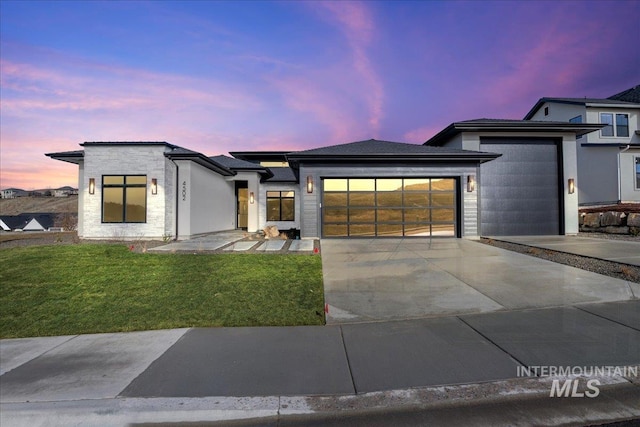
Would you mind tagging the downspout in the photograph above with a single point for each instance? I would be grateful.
(177, 195)
(620, 173)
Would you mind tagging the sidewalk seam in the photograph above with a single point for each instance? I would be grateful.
(605, 318)
(492, 342)
(346, 355)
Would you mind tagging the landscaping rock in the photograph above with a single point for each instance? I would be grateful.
(592, 220)
(271, 232)
(612, 218)
(616, 230)
(633, 220)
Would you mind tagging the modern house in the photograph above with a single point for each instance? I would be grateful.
(486, 177)
(608, 160)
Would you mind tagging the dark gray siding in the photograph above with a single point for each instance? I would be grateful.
(519, 191)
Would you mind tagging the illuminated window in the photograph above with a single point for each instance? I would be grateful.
(281, 206)
(124, 198)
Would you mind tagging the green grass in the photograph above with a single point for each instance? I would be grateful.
(91, 288)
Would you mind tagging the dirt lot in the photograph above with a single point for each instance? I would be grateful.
(39, 204)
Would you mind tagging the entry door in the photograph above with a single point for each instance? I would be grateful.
(243, 208)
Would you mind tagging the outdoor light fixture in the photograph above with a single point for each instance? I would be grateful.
(309, 184)
(154, 186)
(251, 198)
(471, 183)
(572, 186)
(92, 185)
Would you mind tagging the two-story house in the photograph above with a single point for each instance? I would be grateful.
(608, 160)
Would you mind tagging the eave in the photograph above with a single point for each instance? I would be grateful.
(513, 128)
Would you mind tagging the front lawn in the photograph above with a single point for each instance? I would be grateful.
(91, 288)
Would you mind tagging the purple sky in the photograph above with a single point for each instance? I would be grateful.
(221, 76)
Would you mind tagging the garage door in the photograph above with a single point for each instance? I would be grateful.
(519, 191)
(388, 207)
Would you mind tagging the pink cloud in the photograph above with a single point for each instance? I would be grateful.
(355, 20)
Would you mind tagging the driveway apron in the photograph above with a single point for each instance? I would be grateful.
(390, 279)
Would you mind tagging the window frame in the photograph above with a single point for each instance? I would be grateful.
(124, 186)
(614, 124)
(280, 198)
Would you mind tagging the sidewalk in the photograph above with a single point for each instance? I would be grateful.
(43, 376)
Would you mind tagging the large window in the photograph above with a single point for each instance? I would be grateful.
(389, 207)
(124, 198)
(617, 128)
(281, 206)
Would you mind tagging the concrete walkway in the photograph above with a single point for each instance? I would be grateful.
(622, 251)
(234, 241)
(390, 279)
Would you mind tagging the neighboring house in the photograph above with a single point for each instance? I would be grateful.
(27, 222)
(368, 188)
(65, 192)
(608, 160)
(12, 193)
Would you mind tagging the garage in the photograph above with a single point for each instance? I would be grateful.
(520, 190)
(389, 207)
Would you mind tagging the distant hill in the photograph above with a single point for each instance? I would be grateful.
(39, 204)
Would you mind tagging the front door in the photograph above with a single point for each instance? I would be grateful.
(243, 208)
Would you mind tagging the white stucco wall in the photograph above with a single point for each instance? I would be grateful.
(100, 160)
(206, 201)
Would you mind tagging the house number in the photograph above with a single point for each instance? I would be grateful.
(184, 190)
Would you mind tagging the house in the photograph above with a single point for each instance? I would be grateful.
(12, 193)
(608, 160)
(27, 222)
(446, 187)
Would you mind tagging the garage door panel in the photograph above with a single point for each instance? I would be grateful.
(363, 207)
(519, 191)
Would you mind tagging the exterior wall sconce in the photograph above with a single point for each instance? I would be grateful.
(92, 185)
(154, 186)
(572, 186)
(309, 184)
(252, 198)
(471, 183)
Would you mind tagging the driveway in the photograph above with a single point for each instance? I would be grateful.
(387, 279)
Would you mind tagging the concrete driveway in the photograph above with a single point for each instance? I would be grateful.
(385, 279)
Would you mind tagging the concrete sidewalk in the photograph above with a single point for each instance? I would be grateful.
(341, 360)
(622, 251)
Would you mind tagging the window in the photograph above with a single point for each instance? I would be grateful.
(546, 111)
(576, 119)
(637, 173)
(124, 198)
(281, 206)
(621, 127)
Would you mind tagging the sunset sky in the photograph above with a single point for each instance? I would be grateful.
(223, 76)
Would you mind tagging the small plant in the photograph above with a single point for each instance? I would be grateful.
(166, 238)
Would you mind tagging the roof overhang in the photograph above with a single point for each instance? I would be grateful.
(75, 157)
(254, 156)
(511, 128)
(470, 156)
(201, 160)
